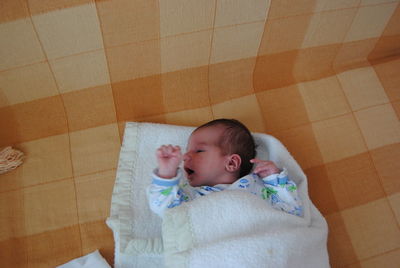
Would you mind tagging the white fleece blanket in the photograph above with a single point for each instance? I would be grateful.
(226, 229)
(237, 229)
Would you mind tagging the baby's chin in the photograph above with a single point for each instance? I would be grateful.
(193, 183)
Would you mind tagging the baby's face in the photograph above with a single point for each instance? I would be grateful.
(204, 162)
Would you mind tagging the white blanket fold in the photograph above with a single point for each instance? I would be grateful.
(219, 230)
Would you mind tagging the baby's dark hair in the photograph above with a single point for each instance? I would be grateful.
(236, 139)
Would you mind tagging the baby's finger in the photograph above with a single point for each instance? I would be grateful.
(176, 148)
(169, 149)
(260, 161)
(161, 151)
(164, 151)
(256, 160)
(176, 151)
(259, 169)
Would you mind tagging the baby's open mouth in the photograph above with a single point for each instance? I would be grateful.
(189, 171)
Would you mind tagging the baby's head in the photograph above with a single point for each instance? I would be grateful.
(219, 152)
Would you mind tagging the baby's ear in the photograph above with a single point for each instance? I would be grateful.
(233, 163)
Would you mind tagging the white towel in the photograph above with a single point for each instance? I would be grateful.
(92, 260)
(137, 231)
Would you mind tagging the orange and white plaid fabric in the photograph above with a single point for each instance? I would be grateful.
(322, 76)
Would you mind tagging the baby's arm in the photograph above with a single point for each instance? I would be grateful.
(279, 189)
(164, 191)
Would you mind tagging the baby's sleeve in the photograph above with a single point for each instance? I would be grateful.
(281, 192)
(164, 193)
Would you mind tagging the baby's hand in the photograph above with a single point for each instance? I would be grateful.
(168, 157)
(264, 168)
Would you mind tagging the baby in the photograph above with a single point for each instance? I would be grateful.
(220, 155)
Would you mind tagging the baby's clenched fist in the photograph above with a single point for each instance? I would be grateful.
(168, 157)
